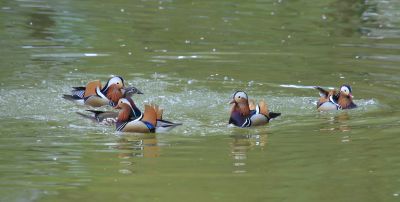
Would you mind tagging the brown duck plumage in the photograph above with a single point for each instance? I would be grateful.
(245, 113)
(333, 99)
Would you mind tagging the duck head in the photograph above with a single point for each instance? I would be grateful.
(116, 81)
(126, 108)
(240, 103)
(346, 91)
(114, 93)
(345, 97)
(125, 103)
(115, 89)
(129, 91)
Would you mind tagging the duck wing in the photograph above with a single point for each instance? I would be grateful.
(322, 92)
(90, 88)
(252, 105)
(263, 108)
(150, 115)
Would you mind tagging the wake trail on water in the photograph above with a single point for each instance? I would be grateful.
(201, 110)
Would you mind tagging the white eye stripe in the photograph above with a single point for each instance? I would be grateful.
(114, 80)
(125, 101)
(344, 89)
(240, 94)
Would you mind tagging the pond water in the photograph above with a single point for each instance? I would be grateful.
(189, 57)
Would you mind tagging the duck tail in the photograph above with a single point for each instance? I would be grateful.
(93, 118)
(79, 88)
(95, 112)
(272, 115)
(322, 92)
(71, 97)
(167, 123)
(165, 126)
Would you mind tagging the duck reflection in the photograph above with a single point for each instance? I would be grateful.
(241, 144)
(338, 123)
(142, 145)
(345, 17)
(41, 21)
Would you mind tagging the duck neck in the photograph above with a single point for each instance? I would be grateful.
(243, 108)
(136, 113)
(125, 114)
(237, 117)
(345, 101)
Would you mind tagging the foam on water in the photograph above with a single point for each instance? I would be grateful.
(202, 111)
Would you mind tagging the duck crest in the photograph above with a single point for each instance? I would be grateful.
(105, 88)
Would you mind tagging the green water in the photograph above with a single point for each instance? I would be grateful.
(189, 57)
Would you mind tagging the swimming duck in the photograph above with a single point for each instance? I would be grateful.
(148, 122)
(131, 119)
(333, 100)
(245, 113)
(96, 96)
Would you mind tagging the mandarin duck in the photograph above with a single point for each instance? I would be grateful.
(333, 100)
(96, 96)
(131, 119)
(244, 113)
